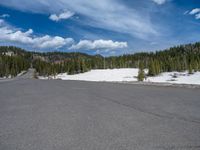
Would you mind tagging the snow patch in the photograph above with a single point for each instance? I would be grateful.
(176, 78)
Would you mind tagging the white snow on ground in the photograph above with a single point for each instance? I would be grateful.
(103, 75)
(176, 77)
(127, 75)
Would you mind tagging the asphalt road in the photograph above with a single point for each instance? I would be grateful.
(74, 115)
(29, 74)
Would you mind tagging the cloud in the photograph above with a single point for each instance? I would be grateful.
(98, 44)
(52, 42)
(197, 16)
(1, 22)
(27, 38)
(4, 16)
(159, 2)
(195, 12)
(62, 16)
(186, 12)
(113, 15)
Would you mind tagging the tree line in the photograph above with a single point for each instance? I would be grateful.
(179, 58)
(12, 65)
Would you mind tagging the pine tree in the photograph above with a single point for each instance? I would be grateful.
(152, 68)
(141, 73)
(190, 70)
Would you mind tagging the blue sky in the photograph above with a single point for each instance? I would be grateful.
(107, 27)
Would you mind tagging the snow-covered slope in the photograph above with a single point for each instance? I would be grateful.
(118, 75)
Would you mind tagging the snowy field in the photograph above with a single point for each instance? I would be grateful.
(128, 75)
(103, 75)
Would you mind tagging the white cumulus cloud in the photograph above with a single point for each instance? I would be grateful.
(52, 42)
(27, 38)
(159, 2)
(98, 44)
(195, 12)
(62, 16)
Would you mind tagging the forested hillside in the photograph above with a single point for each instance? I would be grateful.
(13, 60)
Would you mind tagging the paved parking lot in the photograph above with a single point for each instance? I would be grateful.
(74, 115)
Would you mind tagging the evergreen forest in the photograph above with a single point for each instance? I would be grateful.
(179, 58)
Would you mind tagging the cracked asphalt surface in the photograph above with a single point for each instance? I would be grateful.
(75, 115)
